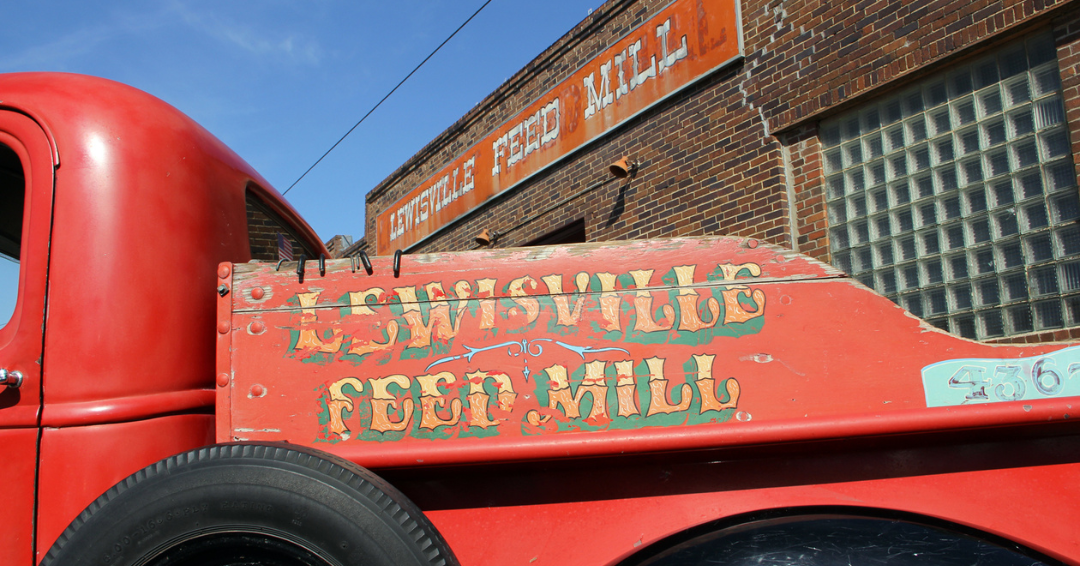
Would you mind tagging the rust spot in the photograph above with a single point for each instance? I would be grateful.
(223, 271)
(257, 293)
(222, 379)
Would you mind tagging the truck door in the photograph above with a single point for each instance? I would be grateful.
(26, 189)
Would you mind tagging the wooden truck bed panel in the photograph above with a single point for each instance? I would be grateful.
(600, 349)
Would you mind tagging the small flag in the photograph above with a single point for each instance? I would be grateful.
(284, 247)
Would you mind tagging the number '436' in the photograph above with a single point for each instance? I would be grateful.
(1010, 382)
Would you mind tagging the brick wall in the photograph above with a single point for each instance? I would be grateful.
(1067, 36)
(737, 153)
(806, 177)
(361, 245)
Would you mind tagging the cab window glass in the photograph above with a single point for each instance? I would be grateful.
(270, 237)
(12, 196)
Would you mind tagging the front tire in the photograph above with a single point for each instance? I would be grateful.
(278, 505)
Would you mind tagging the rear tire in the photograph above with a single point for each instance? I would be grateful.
(276, 504)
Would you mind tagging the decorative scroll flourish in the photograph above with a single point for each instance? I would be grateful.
(582, 350)
(526, 347)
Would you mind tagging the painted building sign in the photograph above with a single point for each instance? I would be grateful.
(681, 44)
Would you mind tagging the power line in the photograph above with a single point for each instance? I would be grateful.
(373, 108)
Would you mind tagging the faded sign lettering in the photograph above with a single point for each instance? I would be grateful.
(678, 46)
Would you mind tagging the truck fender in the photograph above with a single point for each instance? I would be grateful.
(252, 503)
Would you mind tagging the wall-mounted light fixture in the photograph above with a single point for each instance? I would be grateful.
(624, 168)
(487, 237)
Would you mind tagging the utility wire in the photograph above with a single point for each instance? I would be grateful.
(373, 108)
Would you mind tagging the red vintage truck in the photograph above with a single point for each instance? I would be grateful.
(168, 400)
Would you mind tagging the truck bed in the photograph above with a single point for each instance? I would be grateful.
(600, 349)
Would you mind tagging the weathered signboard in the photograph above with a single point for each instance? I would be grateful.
(653, 345)
(681, 44)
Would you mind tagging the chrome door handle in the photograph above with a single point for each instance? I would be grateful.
(11, 379)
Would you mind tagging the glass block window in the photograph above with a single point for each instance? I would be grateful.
(957, 197)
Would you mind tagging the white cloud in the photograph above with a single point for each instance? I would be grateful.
(292, 47)
(65, 48)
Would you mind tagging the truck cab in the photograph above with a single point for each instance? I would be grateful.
(116, 210)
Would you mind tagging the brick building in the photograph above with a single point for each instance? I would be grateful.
(924, 146)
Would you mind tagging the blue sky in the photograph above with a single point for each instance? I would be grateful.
(280, 81)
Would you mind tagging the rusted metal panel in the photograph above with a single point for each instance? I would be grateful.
(603, 349)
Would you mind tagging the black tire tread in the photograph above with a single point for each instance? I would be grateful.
(395, 507)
